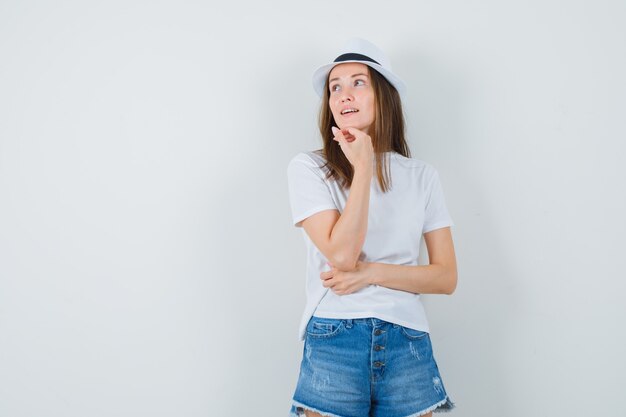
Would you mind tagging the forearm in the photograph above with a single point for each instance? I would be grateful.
(348, 234)
(418, 279)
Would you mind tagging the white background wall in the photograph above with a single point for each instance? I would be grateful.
(148, 265)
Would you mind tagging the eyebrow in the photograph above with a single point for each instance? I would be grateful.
(355, 75)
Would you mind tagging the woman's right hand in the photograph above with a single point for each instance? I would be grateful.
(356, 145)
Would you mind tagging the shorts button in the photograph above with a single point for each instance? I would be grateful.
(377, 348)
(378, 332)
(378, 364)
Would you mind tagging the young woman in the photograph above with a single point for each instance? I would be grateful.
(364, 205)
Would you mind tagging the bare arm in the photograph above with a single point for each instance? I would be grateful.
(438, 277)
(340, 238)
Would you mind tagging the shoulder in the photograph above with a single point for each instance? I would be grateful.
(414, 164)
(311, 159)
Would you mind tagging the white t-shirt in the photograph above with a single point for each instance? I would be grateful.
(397, 219)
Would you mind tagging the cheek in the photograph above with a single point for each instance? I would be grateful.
(370, 103)
(332, 109)
(372, 108)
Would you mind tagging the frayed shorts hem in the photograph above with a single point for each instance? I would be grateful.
(297, 410)
(445, 405)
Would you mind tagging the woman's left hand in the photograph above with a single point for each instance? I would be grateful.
(347, 282)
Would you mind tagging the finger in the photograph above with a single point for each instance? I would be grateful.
(339, 133)
(347, 135)
(336, 132)
(341, 138)
(353, 131)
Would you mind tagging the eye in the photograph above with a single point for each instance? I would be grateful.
(356, 82)
(334, 87)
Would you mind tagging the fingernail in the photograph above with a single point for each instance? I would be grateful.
(335, 130)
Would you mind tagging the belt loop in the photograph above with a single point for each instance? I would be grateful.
(349, 323)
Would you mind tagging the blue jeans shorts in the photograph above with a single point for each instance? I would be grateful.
(367, 368)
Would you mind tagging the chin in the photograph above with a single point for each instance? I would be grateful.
(354, 125)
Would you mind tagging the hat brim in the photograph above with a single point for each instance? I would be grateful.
(320, 75)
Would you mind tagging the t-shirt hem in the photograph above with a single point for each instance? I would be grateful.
(359, 315)
(437, 226)
(311, 212)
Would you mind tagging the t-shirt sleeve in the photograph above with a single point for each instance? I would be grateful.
(436, 213)
(308, 191)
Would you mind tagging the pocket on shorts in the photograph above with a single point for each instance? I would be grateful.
(413, 334)
(322, 327)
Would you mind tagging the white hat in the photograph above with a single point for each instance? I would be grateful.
(365, 52)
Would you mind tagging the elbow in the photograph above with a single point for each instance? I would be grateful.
(344, 262)
(344, 255)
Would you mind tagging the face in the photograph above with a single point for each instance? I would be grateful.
(351, 97)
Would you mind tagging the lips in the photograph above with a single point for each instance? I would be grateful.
(348, 111)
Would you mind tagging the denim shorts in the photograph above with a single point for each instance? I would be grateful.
(367, 367)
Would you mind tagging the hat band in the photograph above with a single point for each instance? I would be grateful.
(354, 57)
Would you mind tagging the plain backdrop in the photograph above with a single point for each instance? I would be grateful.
(148, 263)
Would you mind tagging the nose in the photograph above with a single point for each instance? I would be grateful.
(346, 95)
